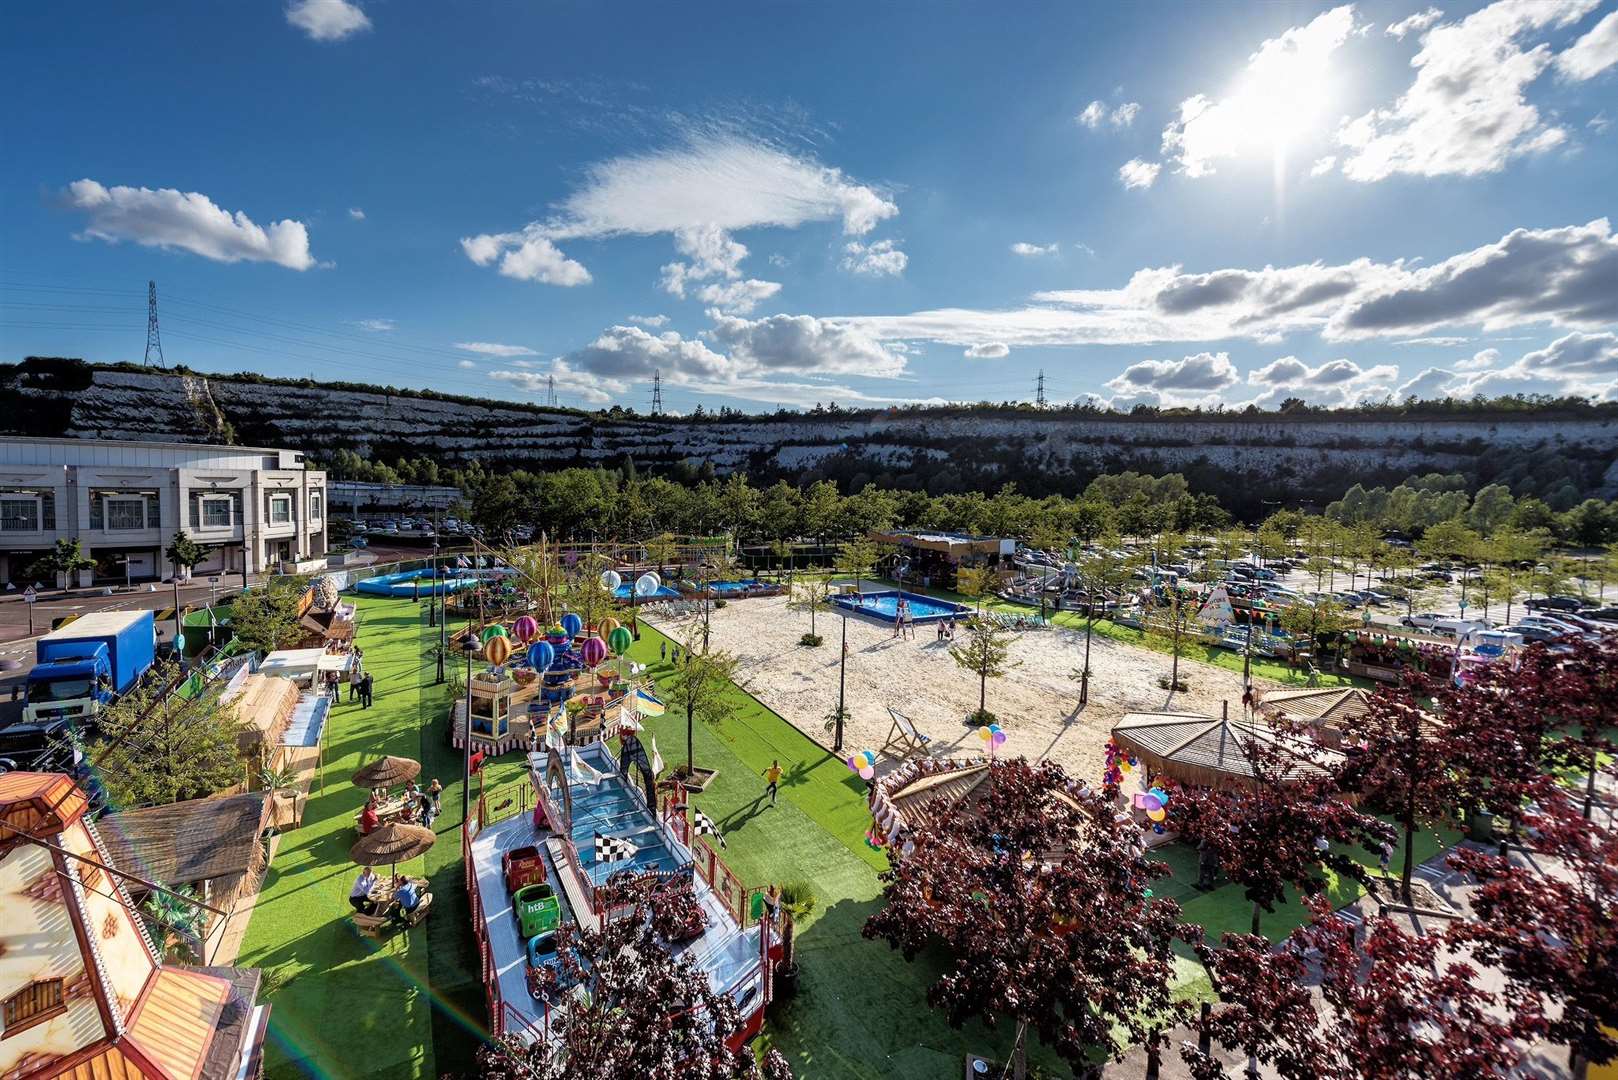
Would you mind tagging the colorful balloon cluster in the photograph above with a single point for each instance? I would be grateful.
(992, 737)
(1155, 802)
(1118, 764)
(862, 762)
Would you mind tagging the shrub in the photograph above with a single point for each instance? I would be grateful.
(811, 640)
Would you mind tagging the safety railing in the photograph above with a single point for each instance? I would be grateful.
(506, 801)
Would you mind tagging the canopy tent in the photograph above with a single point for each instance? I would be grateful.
(1213, 751)
(292, 663)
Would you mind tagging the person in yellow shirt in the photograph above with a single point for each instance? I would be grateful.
(773, 776)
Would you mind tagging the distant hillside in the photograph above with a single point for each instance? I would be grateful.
(1299, 455)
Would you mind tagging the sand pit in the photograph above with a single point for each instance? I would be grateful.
(1037, 702)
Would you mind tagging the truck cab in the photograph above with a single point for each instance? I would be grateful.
(86, 664)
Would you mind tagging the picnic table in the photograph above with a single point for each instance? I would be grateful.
(395, 808)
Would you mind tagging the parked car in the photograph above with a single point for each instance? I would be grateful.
(1606, 614)
(1532, 634)
(1555, 625)
(1553, 603)
(1375, 598)
(359, 542)
(1424, 620)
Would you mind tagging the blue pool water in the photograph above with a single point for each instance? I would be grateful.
(405, 584)
(733, 586)
(885, 606)
(663, 593)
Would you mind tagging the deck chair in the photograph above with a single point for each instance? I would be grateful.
(904, 739)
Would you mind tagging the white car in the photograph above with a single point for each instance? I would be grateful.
(1425, 620)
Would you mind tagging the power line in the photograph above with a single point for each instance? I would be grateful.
(657, 392)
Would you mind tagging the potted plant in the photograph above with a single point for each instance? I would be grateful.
(797, 900)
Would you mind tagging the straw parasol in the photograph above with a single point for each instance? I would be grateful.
(393, 844)
(1211, 751)
(387, 771)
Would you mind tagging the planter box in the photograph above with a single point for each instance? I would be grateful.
(699, 779)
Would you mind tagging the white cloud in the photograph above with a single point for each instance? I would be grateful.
(1466, 112)
(738, 297)
(1093, 116)
(467, 364)
(1204, 371)
(649, 320)
(881, 259)
(1431, 384)
(1593, 53)
(494, 348)
(1281, 95)
(1324, 165)
(1563, 277)
(1414, 24)
(1584, 364)
(1335, 382)
(1030, 251)
(1599, 123)
(592, 389)
(356, 213)
(375, 326)
(700, 191)
(992, 350)
(1576, 355)
(166, 218)
(1124, 115)
(327, 20)
(803, 343)
(1482, 360)
(779, 261)
(1080, 245)
(1096, 113)
(1442, 340)
(1136, 173)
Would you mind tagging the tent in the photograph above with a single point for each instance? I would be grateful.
(1212, 751)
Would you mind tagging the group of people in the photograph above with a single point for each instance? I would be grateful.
(904, 623)
(421, 805)
(405, 899)
(946, 629)
(358, 679)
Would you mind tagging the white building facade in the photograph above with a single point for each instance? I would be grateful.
(250, 508)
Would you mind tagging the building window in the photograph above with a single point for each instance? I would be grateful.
(34, 1004)
(125, 514)
(19, 514)
(216, 512)
(315, 499)
(280, 509)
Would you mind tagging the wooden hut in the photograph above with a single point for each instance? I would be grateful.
(263, 705)
(1213, 751)
(1323, 711)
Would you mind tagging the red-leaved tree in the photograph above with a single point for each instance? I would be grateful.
(1043, 901)
(1552, 926)
(1394, 759)
(1285, 828)
(1400, 1007)
(645, 1014)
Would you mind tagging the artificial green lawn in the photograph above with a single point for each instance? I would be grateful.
(346, 1006)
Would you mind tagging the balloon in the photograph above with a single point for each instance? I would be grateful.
(984, 734)
(526, 628)
(541, 656)
(1157, 815)
(647, 585)
(999, 738)
(1159, 830)
(619, 640)
(572, 624)
(493, 630)
(594, 650)
(610, 580)
(606, 626)
(867, 772)
(496, 650)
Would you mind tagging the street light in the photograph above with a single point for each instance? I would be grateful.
(842, 667)
(470, 645)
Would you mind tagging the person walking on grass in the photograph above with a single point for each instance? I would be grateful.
(365, 690)
(772, 776)
(663, 652)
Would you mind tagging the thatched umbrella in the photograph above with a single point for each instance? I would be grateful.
(387, 771)
(392, 844)
(1211, 751)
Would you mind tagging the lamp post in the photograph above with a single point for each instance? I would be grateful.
(842, 666)
(469, 643)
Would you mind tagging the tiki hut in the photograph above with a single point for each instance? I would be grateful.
(1212, 751)
(264, 705)
(1324, 712)
(211, 845)
(919, 794)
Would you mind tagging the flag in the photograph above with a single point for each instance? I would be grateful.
(705, 826)
(647, 705)
(614, 848)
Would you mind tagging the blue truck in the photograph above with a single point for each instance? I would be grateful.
(88, 663)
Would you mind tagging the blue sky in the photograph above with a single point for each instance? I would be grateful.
(782, 204)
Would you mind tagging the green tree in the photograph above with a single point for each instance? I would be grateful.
(975, 582)
(1170, 625)
(1104, 575)
(184, 553)
(812, 595)
(985, 653)
(857, 558)
(496, 506)
(154, 748)
(266, 618)
(61, 562)
(704, 685)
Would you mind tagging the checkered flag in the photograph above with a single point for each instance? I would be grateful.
(706, 827)
(614, 848)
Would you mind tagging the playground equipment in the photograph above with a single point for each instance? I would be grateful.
(522, 866)
(537, 909)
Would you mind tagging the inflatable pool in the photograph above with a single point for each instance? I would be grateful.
(406, 584)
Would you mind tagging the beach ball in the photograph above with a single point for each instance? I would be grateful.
(493, 630)
(648, 584)
(610, 580)
(497, 650)
(619, 640)
(541, 655)
(526, 628)
(572, 624)
(593, 651)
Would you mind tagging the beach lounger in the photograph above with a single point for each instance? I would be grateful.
(903, 738)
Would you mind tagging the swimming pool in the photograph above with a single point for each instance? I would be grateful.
(885, 606)
(663, 593)
(733, 586)
(405, 584)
